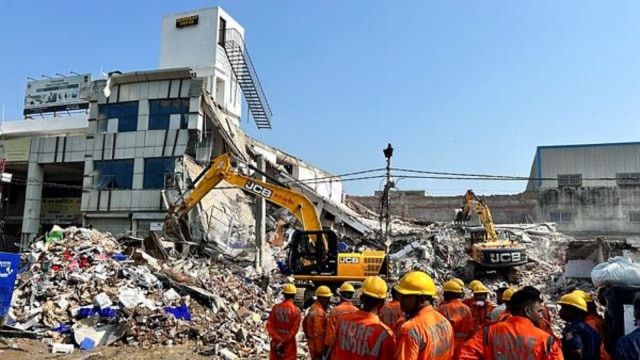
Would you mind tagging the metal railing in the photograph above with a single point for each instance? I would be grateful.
(242, 67)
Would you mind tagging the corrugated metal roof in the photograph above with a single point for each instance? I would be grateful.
(597, 163)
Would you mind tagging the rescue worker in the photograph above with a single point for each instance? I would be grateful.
(314, 324)
(282, 325)
(506, 299)
(594, 320)
(545, 321)
(481, 307)
(579, 340)
(458, 314)
(517, 338)
(472, 285)
(362, 335)
(345, 307)
(390, 312)
(426, 334)
(628, 346)
(501, 306)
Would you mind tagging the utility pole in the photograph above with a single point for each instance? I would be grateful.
(388, 153)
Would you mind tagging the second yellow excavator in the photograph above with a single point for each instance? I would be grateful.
(313, 254)
(487, 251)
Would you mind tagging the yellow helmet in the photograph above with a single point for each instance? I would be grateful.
(346, 287)
(289, 289)
(574, 300)
(375, 287)
(507, 294)
(416, 283)
(474, 283)
(452, 286)
(585, 295)
(323, 291)
(459, 282)
(480, 289)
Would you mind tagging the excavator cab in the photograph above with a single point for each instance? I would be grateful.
(308, 255)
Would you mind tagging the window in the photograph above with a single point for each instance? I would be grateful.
(561, 217)
(626, 179)
(569, 180)
(160, 112)
(114, 174)
(222, 29)
(158, 173)
(126, 113)
(634, 216)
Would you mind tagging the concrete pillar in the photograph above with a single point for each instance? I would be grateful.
(32, 202)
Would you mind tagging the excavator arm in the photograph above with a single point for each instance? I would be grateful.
(471, 201)
(221, 169)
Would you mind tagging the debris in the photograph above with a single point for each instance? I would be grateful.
(87, 289)
(62, 348)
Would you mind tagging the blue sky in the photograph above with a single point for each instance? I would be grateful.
(455, 86)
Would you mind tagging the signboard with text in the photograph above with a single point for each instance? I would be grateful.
(55, 94)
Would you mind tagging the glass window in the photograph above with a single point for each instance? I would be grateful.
(114, 174)
(158, 173)
(160, 112)
(634, 216)
(561, 217)
(126, 113)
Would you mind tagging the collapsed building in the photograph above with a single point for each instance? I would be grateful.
(144, 138)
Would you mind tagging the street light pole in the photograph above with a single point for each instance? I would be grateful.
(388, 153)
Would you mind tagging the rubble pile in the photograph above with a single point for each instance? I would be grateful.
(84, 288)
(439, 249)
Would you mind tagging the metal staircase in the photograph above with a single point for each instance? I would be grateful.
(246, 77)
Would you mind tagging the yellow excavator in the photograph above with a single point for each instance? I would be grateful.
(486, 250)
(313, 254)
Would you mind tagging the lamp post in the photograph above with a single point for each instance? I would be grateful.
(388, 153)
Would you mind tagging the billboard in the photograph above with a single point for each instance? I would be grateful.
(56, 94)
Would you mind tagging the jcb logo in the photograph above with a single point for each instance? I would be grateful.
(349, 260)
(258, 189)
(505, 257)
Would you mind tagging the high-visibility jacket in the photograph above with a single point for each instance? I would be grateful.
(459, 315)
(597, 323)
(468, 301)
(344, 308)
(282, 325)
(314, 328)
(390, 313)
(504, 316)
(481, 314)
(362, 336)
(426, 336)
(517, 338)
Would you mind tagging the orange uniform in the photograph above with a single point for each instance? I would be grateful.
(459, 315)
(362, 336)
(597, 323)
(390, 313)
(426, 336)
(314, 327)
(514, 339)
(282, 325)
(481, 314)
(504, 316)
(344, 308)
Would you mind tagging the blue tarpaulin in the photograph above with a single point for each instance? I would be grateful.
(9, 264)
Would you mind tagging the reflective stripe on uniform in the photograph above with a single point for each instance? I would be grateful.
(376, 348)
(414, 334)
(550, 342)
